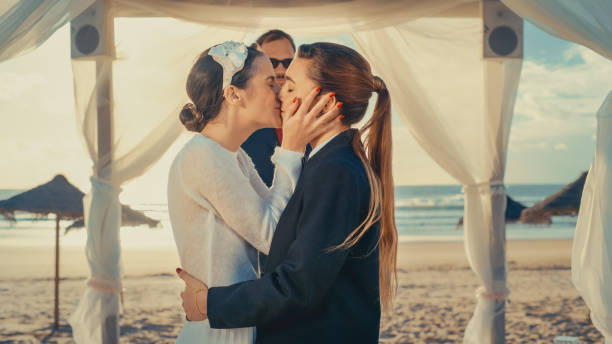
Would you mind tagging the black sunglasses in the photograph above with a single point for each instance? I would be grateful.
(285, 62)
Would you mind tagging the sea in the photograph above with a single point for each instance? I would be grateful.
(423, 213)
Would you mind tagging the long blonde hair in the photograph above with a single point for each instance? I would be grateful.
(342, 70)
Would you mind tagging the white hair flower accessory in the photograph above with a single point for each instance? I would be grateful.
(231, 56)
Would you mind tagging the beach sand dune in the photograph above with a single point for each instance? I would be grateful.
(435, 299)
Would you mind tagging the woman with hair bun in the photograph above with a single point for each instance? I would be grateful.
(220, 210)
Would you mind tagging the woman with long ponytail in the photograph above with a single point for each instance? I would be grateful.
(377, 159)
(331, 270)
(345, 71)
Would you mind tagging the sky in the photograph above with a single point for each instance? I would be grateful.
(552, 136)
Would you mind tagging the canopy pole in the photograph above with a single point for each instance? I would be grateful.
(110, 325)
(57, 244)
(498, 263)
(110, 334)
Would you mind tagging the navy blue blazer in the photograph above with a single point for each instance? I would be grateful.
(307, 293)
(260, 147)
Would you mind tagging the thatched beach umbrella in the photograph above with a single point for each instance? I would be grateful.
(63, 199)
(564, 202)
(57, 197)
(129, 217)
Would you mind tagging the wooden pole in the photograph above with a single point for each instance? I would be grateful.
(498, 263)
(110, 325)
(57, 245)
(110, 333)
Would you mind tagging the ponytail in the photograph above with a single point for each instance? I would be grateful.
(376, 157)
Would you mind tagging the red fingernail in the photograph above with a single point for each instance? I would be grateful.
(294, 100)
(178, 270)
(331, 95)
(318, 89)
(341, 117)
(340, 104)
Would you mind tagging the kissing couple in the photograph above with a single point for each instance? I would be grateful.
(326, 222)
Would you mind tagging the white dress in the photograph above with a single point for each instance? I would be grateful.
(222, 214)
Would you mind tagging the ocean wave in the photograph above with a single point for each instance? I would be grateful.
(434, 201)
(429, 207)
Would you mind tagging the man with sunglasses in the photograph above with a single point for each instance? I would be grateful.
(278, 46)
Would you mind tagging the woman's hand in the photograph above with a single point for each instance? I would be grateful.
(194, 296)
(301, 125)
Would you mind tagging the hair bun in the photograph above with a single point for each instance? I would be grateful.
(378, 85)
(191, 118)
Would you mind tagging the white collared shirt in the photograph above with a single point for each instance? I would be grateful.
(320, 146)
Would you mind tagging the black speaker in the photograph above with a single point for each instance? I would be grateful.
(502, 31)
(87, 32)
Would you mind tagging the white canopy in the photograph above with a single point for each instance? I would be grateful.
(458, 109)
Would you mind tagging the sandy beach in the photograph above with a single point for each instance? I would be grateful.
(435, 299)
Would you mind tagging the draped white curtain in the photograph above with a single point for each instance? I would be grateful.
(586, 22)
(26, 24)
(146, 83)
(592, 247)
(459, 110)
(299, 17)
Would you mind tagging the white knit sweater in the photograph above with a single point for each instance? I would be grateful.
(222, 213)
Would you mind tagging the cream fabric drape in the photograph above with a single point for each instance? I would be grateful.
(586, 22)
(299, 17)
(592, 246)
(26, 24)
(147, 80)
(459, 110)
